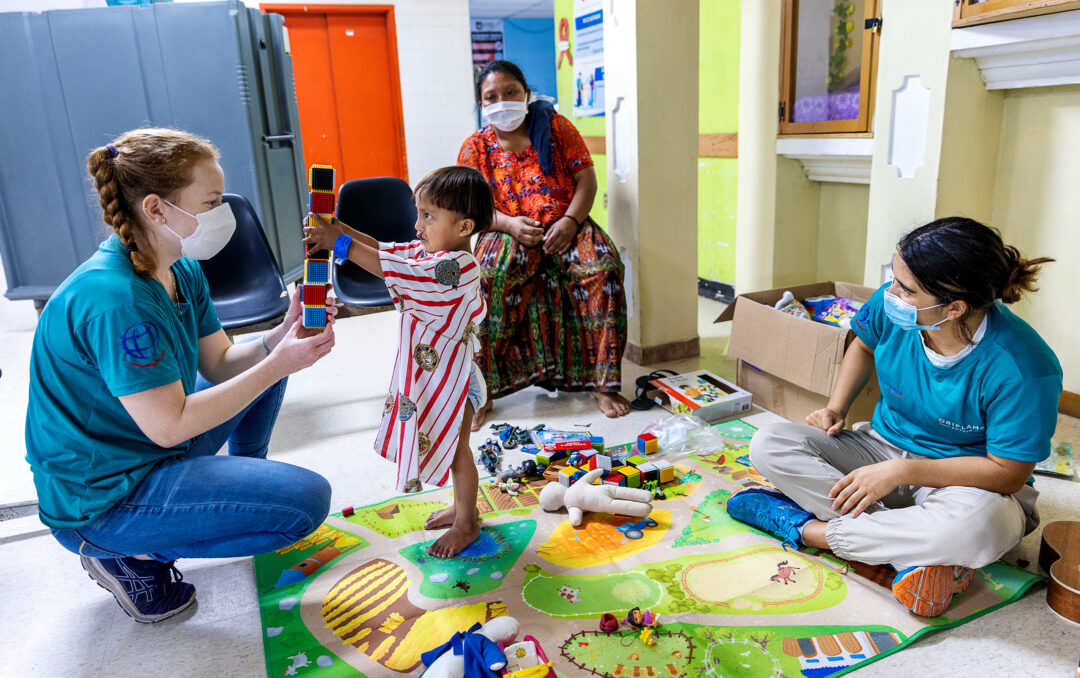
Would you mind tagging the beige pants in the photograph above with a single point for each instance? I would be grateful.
(911, 526)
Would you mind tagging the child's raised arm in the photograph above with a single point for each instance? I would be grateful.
(363, 250)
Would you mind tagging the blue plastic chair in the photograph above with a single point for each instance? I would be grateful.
(245, 284)
(383, 208)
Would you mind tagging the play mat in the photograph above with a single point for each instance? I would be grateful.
(360, 596)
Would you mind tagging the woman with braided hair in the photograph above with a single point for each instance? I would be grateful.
(134, 387)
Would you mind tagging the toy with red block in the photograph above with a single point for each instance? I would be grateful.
(321, 203)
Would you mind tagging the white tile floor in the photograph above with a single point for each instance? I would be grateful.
(56, 622)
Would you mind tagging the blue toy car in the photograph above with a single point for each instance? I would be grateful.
(634, 530)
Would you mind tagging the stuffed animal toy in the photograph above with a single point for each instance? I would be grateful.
(584, 496)
(474, 653)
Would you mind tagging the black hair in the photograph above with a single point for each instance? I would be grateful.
(956, 258)
(499, 66)
(462, 190)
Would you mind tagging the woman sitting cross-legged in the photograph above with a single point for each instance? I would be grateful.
(940, 482)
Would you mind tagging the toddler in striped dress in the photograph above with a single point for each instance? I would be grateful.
(436, 387)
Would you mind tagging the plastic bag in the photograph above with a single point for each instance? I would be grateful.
(682, 434)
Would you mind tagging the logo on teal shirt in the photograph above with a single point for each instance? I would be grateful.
(140, 344)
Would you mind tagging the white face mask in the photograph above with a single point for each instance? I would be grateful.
(506, 116)
(215, 229)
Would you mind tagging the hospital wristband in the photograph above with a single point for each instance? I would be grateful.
(341, 248)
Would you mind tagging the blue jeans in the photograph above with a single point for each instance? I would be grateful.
(201, 505)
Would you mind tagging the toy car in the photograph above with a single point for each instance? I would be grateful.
(634, 530)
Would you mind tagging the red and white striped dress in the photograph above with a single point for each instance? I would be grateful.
(441, 306)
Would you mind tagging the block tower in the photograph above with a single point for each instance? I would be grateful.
(321, 199)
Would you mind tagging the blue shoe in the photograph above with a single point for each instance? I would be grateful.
(148, 591)
(771, 511)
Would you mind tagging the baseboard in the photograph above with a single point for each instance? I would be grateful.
(1069, 403)
(713, 289)
(647, 355)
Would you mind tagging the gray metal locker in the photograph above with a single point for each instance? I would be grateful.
(71, 80)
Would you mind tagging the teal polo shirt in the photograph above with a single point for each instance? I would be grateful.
(1001, 398)
(106, 333)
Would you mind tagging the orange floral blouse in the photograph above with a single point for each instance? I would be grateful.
(519, 185)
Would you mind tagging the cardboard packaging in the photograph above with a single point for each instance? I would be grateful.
(703, 395)
(790, 364)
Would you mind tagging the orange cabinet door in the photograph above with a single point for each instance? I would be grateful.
(348, 88)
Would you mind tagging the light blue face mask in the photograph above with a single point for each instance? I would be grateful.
(905, 315)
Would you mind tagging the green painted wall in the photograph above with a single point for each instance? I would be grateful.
(718, 113)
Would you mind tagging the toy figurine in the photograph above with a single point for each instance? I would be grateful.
(511, 473)
(489, 455)
(528, 469)
(510, 487)
(639, 619)
(648, 636)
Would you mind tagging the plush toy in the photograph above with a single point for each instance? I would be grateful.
(584, 496)
(472, 653)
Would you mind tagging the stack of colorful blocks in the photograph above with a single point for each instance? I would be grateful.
(637, 472)
(321, 201)
(619, 469)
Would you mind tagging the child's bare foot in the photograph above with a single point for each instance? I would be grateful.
(444, 518)
(480, 415)
(456, 538)
(612, 404)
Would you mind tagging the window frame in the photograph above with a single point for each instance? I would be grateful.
(966, 13)
(789, 31)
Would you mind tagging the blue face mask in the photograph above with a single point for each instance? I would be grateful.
(905, 315)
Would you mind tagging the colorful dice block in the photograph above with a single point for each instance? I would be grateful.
(314, 317)
(647, 444)
(566, 475)
(317, 271)
(321, 178)
(635, 460)
(601, 461)
(633, 476)
(314, 295)
(648, 471)
(665, 469)
(616, 479)
(598, 443)
(321, 203)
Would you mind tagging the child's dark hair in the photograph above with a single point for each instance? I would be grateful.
(956, 258)
(499, 66)
(462, 190)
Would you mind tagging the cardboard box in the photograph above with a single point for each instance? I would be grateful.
(790, 364)
(703, 395)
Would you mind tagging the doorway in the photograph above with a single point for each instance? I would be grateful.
(348, 87)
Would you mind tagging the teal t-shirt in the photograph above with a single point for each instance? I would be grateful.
(106, 333)
(1001, 398)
